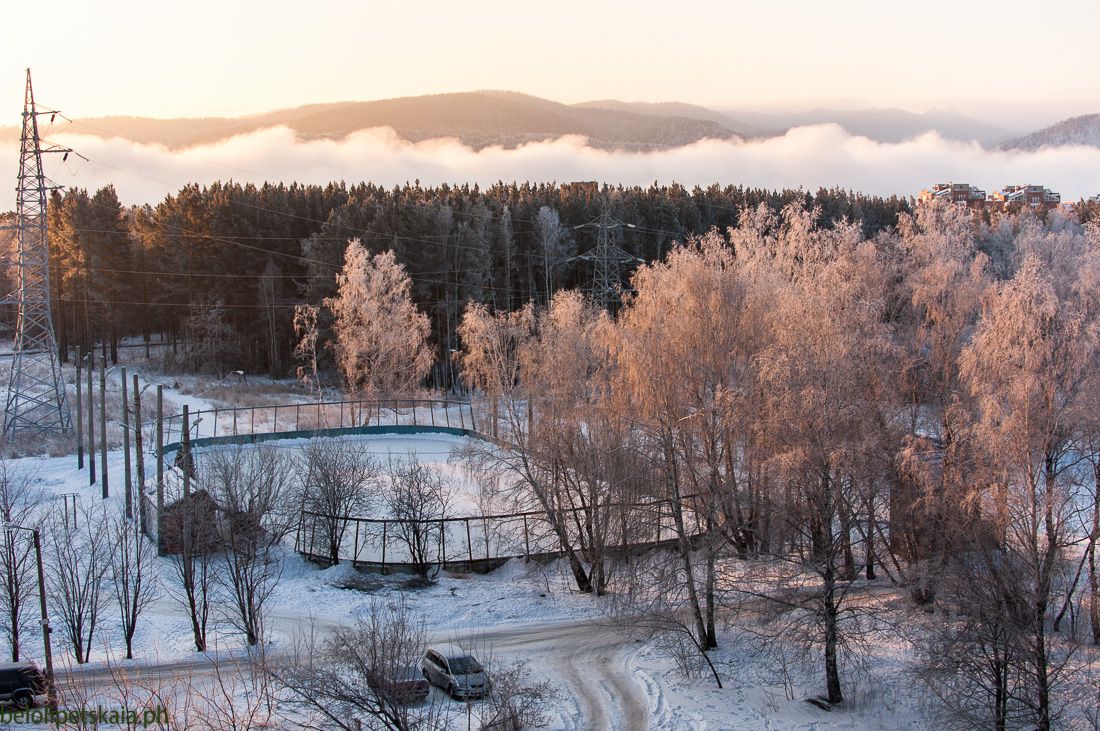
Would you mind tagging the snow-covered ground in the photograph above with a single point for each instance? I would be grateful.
(611, 677)
(523, 611)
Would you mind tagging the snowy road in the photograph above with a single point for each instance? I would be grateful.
(589, 656)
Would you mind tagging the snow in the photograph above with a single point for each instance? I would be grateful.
(525, 611)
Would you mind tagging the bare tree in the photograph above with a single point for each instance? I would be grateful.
(417, 497)
(515, 700)
(19, 500)
(338, 483)
(241, 696)
(193, 566)
(79, 563)
(133, 575)
(653, 603)
(974, 659)
(255, 493)
(342, 682)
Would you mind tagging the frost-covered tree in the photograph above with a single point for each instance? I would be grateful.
(1029, 366)
(826, 378)
(381, 336)
(305, 351)
(553, 240)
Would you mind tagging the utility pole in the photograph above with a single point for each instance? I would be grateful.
(160, 469)
(606, 258)
(128, 485)
(185, 454)
(139, 458)
(35, 402)
(103, 427)
(91, 421)
(79, 416)
(51, 693)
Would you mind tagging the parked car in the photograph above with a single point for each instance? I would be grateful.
(21, 683)
(455, 670)
(405, 685)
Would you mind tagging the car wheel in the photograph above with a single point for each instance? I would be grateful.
(451, 689)
(23, 701)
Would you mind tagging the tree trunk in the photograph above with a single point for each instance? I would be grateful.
(1094, 580)
(677, 510)
(828, 599)
(870, 545)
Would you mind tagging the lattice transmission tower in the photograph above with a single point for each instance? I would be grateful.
(607, 258)
(36, 402)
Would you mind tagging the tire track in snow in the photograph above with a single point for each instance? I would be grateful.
(590, 657)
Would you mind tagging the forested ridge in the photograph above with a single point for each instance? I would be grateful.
(218, 270)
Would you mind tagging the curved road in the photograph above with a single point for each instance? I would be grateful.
(589, 656)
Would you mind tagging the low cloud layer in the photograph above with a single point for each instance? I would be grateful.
(807, 157)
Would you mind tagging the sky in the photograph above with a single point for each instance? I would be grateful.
(1013, 63)
(165, 58)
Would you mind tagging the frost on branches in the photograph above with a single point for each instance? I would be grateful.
(380, 334)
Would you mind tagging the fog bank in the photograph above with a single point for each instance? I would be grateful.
(807, 157)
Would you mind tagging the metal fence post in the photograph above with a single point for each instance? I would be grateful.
(385, 524)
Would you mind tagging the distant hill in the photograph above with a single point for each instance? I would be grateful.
(478, 119)
(483, 118)
(1083, 130)
(882, 125)
(680, 109)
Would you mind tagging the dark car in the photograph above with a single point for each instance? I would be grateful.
(405, 685)
(20, 683)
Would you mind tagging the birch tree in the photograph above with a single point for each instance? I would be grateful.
(381, 337)
(825, 374)
(1031, 358)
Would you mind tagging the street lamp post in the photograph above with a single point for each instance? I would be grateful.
(50, 696)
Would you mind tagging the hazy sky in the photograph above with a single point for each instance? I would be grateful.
(201, 57)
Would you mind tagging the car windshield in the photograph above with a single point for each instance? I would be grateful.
(463, 665)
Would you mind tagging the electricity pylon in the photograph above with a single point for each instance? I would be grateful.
(606, 259)
(36, 404)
